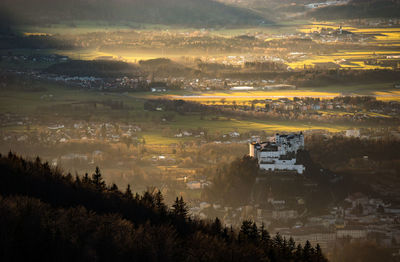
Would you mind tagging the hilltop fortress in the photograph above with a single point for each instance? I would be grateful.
(279, 155)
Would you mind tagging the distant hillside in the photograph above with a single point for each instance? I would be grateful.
(95, 68)
(359, 9)
(163, 67)
(49, 216)
(160, 67)
(187, 12)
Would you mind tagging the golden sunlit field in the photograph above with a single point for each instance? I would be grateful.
(388, 96)
(247, 97)
(376, 40)
(339, 58)
(378, 37)
(241, 98)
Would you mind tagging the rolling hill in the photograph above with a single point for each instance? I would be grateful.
(200, 13)
(359, 9)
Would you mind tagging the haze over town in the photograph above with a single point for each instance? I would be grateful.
(267, 130)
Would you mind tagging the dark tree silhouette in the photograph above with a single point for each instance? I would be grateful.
(48, 216)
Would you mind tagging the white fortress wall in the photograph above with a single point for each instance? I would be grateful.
(277, 155)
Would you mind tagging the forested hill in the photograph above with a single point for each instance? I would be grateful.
(359, 9)
(49, 216)
(202, 13)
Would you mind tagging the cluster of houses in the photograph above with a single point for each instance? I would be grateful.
(206, 84)
(138, 83)
(328, 108)
(241, 60)
(61, 133)
(326, 3)
(197, 134)
(358, 218)
(33, 58)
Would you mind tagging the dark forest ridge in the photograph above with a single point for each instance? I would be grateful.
(359, 9)
(202, 13)
(49, 216)
(322, 9)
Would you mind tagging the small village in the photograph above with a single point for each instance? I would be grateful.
(359, 218)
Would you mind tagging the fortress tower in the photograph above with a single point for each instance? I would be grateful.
(280, 154)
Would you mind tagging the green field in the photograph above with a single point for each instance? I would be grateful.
(155, 131)
(25, 102)
(229, 125)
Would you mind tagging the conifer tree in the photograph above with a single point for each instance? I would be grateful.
(291, 245)
(180, 208)
(253, 234)
(307, 251)
(86, 178)
(246, 230)
(68, 177)
(128, 193)
(114, 188)
(97, 179)
(298, 254)
(319, 257)
(159, 201)
(264, 233)
(278, 240)
(231, 234)
(216, 226)
(77, 179)
(148, 199)
(225, 234)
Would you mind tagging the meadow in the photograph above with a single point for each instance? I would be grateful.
(155, 131)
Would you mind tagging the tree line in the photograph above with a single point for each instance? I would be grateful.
(48, 215)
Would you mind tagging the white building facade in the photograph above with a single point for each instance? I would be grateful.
(279, 155)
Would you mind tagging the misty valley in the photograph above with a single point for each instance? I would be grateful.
(200, 130)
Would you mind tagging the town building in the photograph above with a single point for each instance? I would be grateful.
(279, 155)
